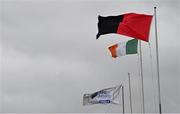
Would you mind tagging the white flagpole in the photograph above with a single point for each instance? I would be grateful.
(157, 59)
(141, 74)
(130, 92)
(123, 99)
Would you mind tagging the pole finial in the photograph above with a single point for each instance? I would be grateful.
(154, 7)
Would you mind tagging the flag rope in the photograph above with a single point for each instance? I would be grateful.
(152, 75)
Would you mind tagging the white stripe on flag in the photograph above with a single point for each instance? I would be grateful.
(121, 49)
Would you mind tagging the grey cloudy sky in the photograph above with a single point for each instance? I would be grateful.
(50, 57)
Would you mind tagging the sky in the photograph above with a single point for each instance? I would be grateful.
(50, 56)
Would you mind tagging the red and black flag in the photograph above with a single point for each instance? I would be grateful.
(130, 24)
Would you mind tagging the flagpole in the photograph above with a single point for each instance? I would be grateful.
(157, 60)
(123, 99)
(141, 74)
(130, 92)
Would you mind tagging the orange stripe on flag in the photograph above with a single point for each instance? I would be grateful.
(112, 49)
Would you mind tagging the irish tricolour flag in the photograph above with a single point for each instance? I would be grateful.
(124, 48)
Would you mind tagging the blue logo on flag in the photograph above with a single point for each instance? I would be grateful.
(104, 101)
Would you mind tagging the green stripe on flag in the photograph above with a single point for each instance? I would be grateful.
(131, 46)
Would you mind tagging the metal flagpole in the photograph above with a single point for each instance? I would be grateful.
(141, 74)
(123, 98)
(130, 92)
(157, 59)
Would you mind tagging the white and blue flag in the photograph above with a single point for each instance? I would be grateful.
(104, 96)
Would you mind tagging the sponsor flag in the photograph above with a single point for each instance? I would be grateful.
(105, 96)
(130, 24)
(124, 48)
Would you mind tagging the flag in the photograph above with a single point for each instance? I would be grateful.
(124, 48)
(104, 96)
(130, 24)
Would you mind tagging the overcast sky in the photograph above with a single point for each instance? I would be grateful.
(50, 56)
